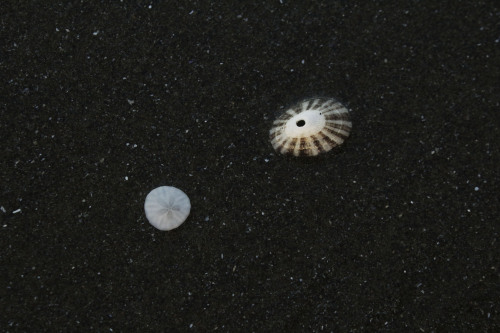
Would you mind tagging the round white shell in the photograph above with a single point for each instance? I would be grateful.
(167, 207)
(311, 127)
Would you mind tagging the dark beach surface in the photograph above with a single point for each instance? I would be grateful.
(395, 231)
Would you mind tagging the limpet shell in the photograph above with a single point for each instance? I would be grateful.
(311, 127)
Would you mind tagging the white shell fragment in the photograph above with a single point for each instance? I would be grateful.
(167, 207)
(311, 127)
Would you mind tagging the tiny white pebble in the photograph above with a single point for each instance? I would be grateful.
(126, 178)
(476, 188)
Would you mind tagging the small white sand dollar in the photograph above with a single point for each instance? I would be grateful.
(167, 207)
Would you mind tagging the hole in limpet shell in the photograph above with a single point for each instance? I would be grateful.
(300, 123)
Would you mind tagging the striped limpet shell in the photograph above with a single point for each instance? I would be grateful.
(311, 127)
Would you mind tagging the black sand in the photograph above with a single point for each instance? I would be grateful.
(396, 231)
